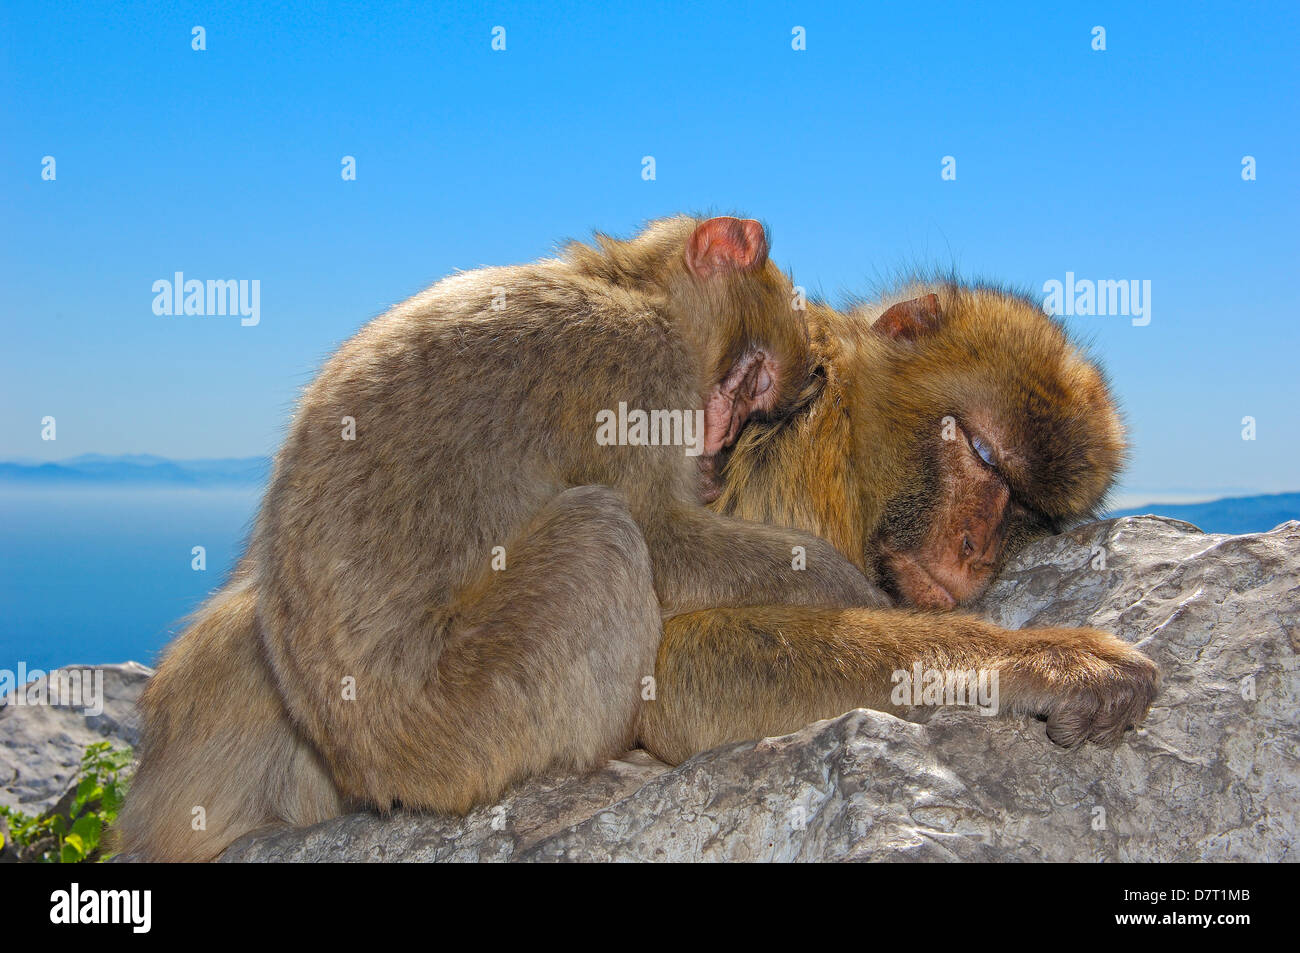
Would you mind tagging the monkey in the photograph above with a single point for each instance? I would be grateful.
(947, 426)
(365, 653)
(451, 583)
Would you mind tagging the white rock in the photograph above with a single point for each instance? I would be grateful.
(1214, 774)
(41, 745)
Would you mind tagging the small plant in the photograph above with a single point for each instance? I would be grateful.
(24, 831)
(70, 832)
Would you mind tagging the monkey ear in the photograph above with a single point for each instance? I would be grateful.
(723, 245)
(910, 320)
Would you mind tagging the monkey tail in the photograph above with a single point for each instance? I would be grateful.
(219, 757)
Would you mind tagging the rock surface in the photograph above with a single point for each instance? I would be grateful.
(41, 744)
(1214, 774)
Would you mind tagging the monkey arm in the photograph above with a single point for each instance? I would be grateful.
(703, 560)
(727, 675)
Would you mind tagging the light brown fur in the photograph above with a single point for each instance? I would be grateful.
(371, 563)
(371, 560)
(862, 462)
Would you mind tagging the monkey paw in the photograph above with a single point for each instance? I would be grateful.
(1097, 687)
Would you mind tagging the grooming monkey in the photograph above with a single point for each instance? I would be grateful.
(367, 651)
(473, 589)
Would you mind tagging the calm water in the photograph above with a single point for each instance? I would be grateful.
(103, 575)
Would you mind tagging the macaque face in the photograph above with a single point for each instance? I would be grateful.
(1009, 435)
(942, 546)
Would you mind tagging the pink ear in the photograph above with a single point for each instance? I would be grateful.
(723, 245)
(910, 320)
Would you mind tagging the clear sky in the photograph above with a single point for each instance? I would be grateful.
(225, 163)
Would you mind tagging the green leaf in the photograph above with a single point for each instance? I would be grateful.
(87, 829)
(73, 851)
(112, 802)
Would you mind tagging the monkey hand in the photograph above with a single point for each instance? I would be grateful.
(1086, 684)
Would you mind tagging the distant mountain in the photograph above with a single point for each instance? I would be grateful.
(142, 459)
(96, 469)
(1237, 514)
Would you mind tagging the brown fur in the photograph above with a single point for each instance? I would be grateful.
(371, 559)
(862, 463)
(217, 737)
(800, 665)
(878, 401)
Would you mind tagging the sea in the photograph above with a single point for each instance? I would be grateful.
(105, 574)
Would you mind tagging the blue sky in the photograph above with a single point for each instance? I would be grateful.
(1122, 164)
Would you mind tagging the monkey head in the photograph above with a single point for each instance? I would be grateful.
(991, 429)
(728, 304)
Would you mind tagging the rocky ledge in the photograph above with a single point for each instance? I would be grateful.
(41, 744)
(1213, 774)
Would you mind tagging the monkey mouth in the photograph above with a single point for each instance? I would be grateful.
(916, 584)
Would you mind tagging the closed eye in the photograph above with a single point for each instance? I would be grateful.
(983, 451)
